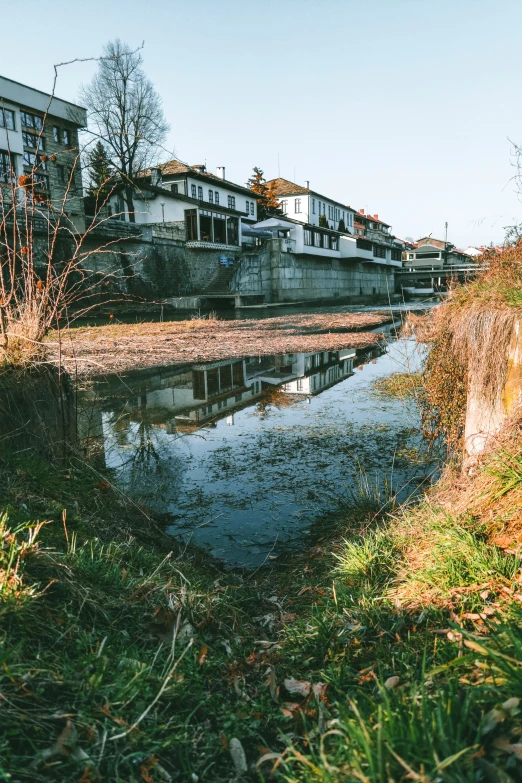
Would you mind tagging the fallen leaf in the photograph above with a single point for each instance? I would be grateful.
(238, 756)
(304, 590)
(289, 708)
(392, 682)
(272, 685)
(223, 740)
(297, 687)
(202, 657)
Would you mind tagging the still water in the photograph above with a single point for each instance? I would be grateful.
(245, 456)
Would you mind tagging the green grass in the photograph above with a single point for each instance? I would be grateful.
(96, 685)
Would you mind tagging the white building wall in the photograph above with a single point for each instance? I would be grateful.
(307, 208)
(223, 193)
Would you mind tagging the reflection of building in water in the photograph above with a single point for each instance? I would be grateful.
(173, 399)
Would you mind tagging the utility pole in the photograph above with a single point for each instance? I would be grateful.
(445, 243)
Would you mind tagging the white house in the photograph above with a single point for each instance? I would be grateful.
(307, 206)
(209, 208)
(311, 240)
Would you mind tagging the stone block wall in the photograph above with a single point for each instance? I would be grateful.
(285, 277)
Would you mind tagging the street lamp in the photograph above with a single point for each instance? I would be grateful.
(163, 209)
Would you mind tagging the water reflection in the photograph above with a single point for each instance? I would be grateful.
(243, 455)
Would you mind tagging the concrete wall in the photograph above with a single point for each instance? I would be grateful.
(157, 266)
(286, 277)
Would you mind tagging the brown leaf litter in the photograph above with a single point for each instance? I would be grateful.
(123, 347)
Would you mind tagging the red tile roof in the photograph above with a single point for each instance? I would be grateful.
(177, 167)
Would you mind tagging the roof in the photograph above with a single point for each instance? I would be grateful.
(176, 167)
(367, 216)
(31, 98)
(283, 187)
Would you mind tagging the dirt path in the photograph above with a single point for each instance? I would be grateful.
(123, 347)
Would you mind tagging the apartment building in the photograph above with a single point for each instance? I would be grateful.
(39, 141)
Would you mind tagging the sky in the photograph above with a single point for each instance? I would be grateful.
(405, 108)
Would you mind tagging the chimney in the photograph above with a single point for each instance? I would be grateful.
(220, 172)
(308, 184)
(200, 167)
(155, 177)
(376, 216)
(361, 211)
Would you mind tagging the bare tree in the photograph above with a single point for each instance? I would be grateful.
(125, 112)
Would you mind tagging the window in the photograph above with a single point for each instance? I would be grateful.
(66, 136)
(307, 236)
(216, 196)
(410, 256)
(7, 119)
(232, 231)
(284, 206)
(56, 134)
(247, 207)
(379, 251)
(326, 241)
(231, 202)
(251, 207)
(200, 193)
(205, 226)
(32, 140)
(396, 255)
(193, 191)
(297, 205)
(363, 244)
(334, 243)
(32, 159)
(428, 255)
(174, 188)
(6, 169)
(317, 239)
(313, 206)
(191, 222)
(220, 229)
(60, 170)
(31, 120)
(41, 179)
(299, 384)
(211, 196)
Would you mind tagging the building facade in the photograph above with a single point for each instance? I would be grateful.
(209, 209)
(39, 142)
(307, 206)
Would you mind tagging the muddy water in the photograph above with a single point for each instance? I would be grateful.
(243, 457)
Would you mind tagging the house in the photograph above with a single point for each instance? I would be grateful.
(208, 209)
(435, 253)
(307, 206)
(306, 239)
(372, 226)
(39, 139)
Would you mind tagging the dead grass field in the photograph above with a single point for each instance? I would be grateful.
(123, 347)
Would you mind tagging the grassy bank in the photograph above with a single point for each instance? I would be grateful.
(384, 653)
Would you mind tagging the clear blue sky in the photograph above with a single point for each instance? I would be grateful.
(403, 107)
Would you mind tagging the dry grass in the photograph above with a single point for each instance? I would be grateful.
(124, 347)
(470, 337)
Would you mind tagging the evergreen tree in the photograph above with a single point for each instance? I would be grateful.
(341, 226)
(323, 222)
(100, 173)
(268, 203)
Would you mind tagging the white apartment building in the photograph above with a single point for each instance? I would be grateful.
(307, 206)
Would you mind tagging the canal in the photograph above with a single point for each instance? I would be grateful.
(247, 458)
